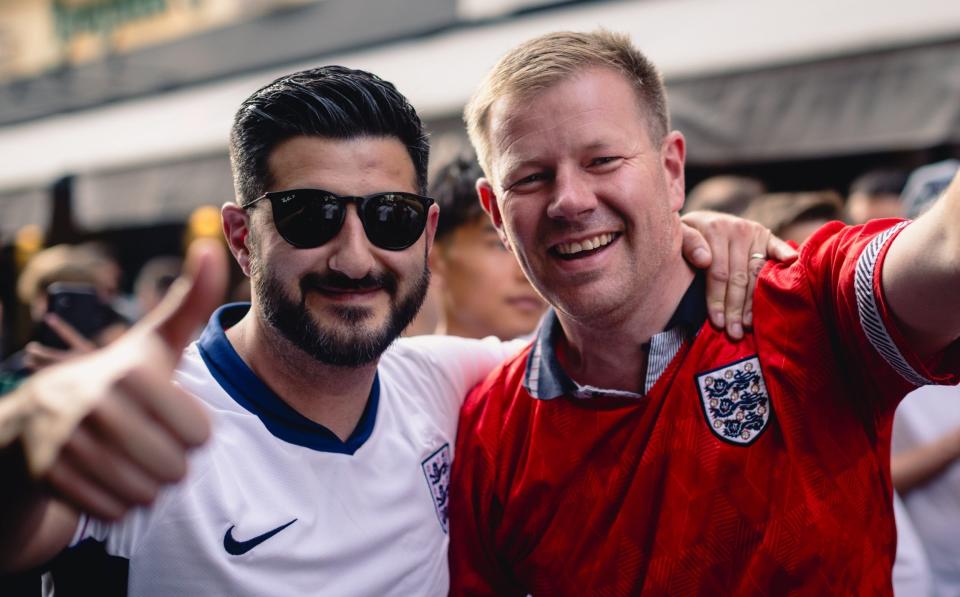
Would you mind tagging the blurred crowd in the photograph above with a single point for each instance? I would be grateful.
(72, 297)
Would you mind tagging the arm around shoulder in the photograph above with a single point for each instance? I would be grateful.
(921, 276)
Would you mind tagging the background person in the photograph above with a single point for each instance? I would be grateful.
(80, 265)
(724, 193)
(795, 216)
(481, 289)
(874, 195)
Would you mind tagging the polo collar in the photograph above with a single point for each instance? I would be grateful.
(545, 379)
(249, 391)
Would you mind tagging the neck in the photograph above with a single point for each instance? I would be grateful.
(610, 352)
(334, 397)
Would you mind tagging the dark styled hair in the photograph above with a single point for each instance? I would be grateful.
(331, 101)
(454, 189)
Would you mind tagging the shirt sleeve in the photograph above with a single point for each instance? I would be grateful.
(457, 364)
(843, 266)
(118, 538)
(475, 511)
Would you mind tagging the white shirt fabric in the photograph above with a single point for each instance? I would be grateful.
(926, 415)
(911, 570)
(365, 517)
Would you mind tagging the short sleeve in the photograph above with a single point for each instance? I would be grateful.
(450, 366)
(843, 266)
(118, 538)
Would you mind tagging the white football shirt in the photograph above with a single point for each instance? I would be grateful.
(275, 504)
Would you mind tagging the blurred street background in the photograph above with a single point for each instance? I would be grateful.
(114, 114)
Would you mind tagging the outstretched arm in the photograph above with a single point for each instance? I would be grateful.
(101, 433)
(921, 276)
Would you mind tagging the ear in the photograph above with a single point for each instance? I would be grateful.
(433, 216)
(488, 200)
(673, 154)
(236, 229)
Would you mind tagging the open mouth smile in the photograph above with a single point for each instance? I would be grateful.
(585, 247)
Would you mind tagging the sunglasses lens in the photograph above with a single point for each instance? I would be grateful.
(394, 221)
(308, 219)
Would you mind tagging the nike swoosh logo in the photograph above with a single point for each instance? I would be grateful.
(237, 548)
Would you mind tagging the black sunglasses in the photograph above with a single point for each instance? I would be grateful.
(308, 218)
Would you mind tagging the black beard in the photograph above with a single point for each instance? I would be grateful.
(295, 323)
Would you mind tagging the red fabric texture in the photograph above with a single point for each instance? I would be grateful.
(622, 497)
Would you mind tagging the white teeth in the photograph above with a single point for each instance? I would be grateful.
(585, 245)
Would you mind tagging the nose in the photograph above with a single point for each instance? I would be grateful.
(350, 250)
(572, 195)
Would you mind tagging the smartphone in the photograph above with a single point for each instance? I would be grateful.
(78, 305)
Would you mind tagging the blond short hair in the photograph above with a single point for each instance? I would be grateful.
(544, 61)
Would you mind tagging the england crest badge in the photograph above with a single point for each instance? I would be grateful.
(436, 469)
(735, 401)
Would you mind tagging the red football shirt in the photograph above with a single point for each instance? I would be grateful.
(751, 467)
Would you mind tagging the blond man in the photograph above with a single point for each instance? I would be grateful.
(633, 448)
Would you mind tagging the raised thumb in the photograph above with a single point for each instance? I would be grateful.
(192, 298)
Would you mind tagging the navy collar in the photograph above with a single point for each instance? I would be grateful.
(545, 378)
(242, 384)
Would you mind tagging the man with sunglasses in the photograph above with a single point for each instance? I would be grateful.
(328, 467)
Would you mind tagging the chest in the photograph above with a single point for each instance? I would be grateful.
(266, 517)
(735, 454)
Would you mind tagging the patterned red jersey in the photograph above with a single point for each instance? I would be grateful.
(751, 467)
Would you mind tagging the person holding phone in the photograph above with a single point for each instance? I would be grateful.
(62, 287)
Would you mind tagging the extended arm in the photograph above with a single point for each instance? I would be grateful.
(921, 276)
(101, 433)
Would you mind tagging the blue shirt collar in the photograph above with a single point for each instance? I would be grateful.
(243, 385)
(545, 379)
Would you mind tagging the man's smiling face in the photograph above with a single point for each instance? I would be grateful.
(583, 196)
(346, 300)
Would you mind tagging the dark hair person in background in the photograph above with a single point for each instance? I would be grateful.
(481, 289)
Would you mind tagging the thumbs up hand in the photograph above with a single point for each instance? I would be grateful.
(107, 430)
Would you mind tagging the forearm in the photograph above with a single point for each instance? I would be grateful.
(33, 526)
(921, 276)
(920, 465)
